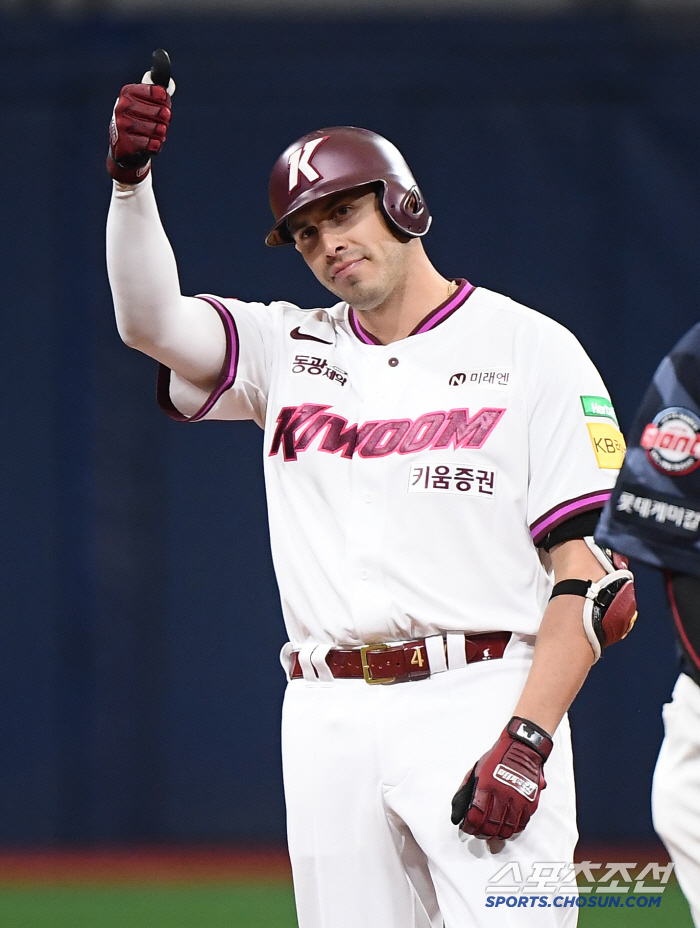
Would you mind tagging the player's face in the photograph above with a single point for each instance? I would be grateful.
(349, 247)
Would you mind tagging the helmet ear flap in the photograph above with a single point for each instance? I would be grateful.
(413, 203)
(413, 218)
(408, 214)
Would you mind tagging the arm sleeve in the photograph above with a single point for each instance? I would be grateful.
(151, 313)
(576, 447)
(243, 384)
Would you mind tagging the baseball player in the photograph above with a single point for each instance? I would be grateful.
(436, 457)
(654, 515)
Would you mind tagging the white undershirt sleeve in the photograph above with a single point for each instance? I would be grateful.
(184, 333)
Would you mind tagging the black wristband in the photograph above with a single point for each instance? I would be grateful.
(571, 588)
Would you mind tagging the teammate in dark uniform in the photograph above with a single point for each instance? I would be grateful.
(654, 516)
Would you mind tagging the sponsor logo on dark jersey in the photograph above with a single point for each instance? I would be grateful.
(662, 513)
(672, 441)
(299, 426)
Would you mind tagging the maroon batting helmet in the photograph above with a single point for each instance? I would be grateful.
(341, 158)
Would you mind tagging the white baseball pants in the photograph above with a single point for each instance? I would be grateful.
(675, 793)
(369, 775)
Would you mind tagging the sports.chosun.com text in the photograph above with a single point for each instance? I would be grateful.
(560, 902)
(547, 884)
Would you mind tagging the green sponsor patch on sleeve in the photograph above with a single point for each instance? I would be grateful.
(598, 406)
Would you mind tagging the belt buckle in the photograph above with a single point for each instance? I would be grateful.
(367, 670)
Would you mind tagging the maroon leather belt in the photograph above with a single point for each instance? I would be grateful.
(382, 663)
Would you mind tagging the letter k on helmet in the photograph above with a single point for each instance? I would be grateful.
(300, 163)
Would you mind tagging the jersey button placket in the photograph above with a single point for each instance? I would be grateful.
(385, 371)
(371, 603)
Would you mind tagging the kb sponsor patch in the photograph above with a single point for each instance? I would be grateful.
(608, 445)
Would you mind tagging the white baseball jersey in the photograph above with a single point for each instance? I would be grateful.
(409, 483)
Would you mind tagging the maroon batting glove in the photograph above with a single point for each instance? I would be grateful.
(502, 790)
(137, 131)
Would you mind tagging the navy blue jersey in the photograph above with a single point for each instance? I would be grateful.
(653, 514)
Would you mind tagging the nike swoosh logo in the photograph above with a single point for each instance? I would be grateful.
(295, 333)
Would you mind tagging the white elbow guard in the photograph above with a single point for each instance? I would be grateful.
(610, 608)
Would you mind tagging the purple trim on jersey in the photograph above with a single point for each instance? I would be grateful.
(433, 319)
(544, 525)
(361, 332)
(463, 292)
(226, 377)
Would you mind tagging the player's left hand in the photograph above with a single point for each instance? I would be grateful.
(502, 790)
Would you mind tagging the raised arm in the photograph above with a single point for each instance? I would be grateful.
(152, 315)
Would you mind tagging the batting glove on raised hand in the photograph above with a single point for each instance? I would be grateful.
(502, 790)
(139, 122)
